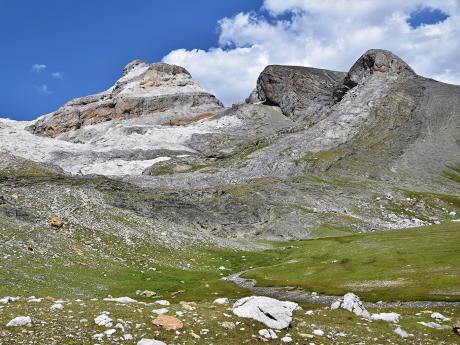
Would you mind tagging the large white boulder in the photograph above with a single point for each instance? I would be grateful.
(352, 303)
(271, 312)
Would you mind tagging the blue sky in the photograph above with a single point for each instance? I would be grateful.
(89, 42)
(56, 50)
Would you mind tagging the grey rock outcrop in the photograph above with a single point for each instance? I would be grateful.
(143, 90)
(300, 92)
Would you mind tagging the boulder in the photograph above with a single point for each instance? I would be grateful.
(456, 327)
(402, 333)
(20, 321)
(390, 317)
(221, 301)
(56, 222)
(143, 90)
(439, 316)
(103, 320)
(268, 334)
(352, 303)
(271, 312)
(167, 322)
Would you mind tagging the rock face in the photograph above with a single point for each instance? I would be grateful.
(374, 61)
(352, 303)
(143, 90)
(300, 92)
(271, 312)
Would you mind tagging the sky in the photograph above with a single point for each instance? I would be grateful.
(52, 51)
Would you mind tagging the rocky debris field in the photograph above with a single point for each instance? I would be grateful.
(34, 320)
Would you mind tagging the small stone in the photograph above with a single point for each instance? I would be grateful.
(318, 332)
(390, 317)
(268, 334)
(456, 327)
(57, 306)
(306, 335)
(402, 333)
(228, 325)
(286, 339)
(163, 302)
(56, 222)
(439, 316)
(167, 322)
(148, 293)
(145, 341)
(103, 320)
(221, 301)
(20, 321)
(160, 311)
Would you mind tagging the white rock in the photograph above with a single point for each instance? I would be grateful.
(286, 339)
(439, 316)
(318, 332)
(352, 303)
(8, 299)
(109, 332)
(452, 213)
(271, 312)
(160, 311)
(163, 302)
(145, 341)
(57, 306)
(390, 317)
(402, 333)
(128, 336)
(221, 301)
(431, 325)
(121, 300)
(20, 321)
(222, 268)
(268, 334)
(103, 320)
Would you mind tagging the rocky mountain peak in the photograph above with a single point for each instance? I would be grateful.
(376, 61)
(158, 91)
(128, 68)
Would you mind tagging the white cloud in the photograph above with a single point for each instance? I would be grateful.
(326, 34)
(38, 67)
(44, 89)
(57, 75)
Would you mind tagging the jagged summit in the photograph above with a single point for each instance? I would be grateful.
(143, 90)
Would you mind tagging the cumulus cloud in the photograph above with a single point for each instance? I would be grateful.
(328, 34)
(57, 75)
(38, 67)
(44, 89)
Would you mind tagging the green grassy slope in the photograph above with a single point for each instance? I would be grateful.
(410, 264)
